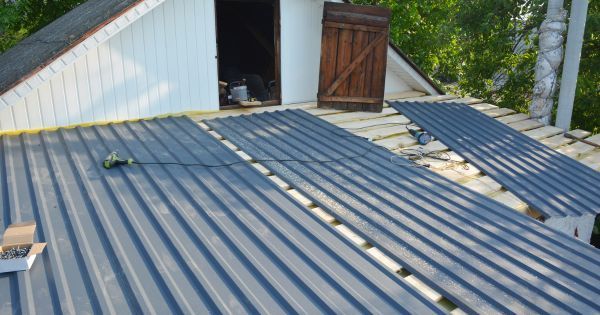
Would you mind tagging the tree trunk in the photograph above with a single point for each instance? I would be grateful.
(549, 59)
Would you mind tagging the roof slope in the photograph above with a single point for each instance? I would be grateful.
(550, 182)
(42, 47)
(480, 254)
(38, 50)
(170, 239)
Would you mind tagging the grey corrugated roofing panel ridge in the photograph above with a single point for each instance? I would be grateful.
(175, 239)
(550, 182)
(480, 254)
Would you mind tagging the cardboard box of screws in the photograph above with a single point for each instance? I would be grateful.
(18, 251)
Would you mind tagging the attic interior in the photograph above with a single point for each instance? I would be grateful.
(247, 41)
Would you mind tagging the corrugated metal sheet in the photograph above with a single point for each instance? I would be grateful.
(173, 239)
(550, 182)
(480, 254)
(164, 62)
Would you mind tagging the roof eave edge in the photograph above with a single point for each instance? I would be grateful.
(77, 50)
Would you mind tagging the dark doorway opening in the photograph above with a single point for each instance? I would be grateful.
(248, 48)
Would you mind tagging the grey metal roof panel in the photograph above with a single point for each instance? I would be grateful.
(551, 183)
(480, 254)
(175, 239)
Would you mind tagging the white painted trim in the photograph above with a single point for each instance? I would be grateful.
(15, 94)
(419, 83)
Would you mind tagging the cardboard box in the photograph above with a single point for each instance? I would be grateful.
(20, 235)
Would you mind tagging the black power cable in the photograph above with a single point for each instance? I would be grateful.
(365, 153)
(114, 159)
(416, 155)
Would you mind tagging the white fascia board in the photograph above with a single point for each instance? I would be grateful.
(416, 81)
(18, 92)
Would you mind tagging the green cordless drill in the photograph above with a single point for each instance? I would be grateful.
(113, 159)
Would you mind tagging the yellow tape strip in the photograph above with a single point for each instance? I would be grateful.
(104, 122)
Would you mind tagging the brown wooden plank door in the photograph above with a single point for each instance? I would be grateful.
(353, 57)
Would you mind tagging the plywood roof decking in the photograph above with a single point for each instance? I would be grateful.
(174, 239)
(479, 254)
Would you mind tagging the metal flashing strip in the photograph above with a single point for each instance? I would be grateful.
(550, 182)
(172, 238)
(478, 253)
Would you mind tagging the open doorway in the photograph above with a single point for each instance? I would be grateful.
(248, 48)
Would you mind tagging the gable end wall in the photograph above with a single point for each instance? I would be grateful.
(161, 63)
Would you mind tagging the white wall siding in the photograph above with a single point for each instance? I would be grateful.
(300, 49)
(12, 96)
(399, 68)
(165, 62)
(394, 83)
(162, 63)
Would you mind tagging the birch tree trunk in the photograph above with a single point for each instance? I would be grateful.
(549, 59)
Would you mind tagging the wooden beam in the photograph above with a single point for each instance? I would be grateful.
(354, 27)
(351, 99)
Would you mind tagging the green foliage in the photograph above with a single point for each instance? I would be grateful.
(499, 55)
(427, 31)
(595, 241)
(19, 18)
(488, 49)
